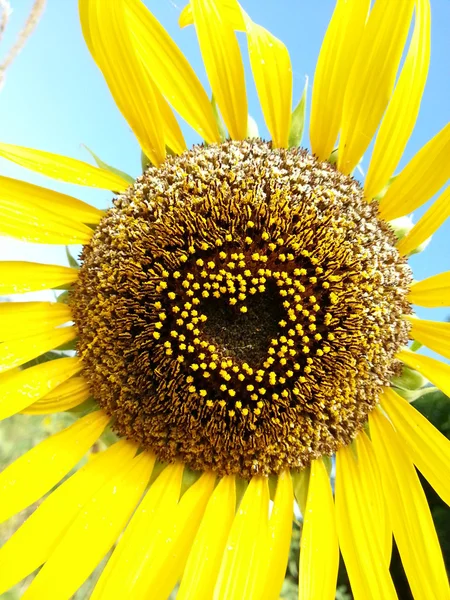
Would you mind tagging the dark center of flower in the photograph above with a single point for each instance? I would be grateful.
(239, 309)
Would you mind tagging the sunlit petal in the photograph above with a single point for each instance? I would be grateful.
(422, 177)
(401, 113)
(372, 78)
(333, 68)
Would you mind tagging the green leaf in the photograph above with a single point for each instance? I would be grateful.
(103, 165)
(63, 298)
(83, 409)
(72, 260)
(145, 162)
(435, 406)
(43, 358)
(301, 484)
(415, 346)
(410, 379)
(328, 462)
(412, 395)
(298, 120)
(69, 346)
(386, 187)
(332, 159)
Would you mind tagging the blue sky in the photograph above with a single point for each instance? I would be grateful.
(54, 98)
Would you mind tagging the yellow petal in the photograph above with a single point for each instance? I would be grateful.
(332, 71)
(63, 168)
(273, 565)
(223, 64)
(20, 389)
(432, 334)
(19, 351)
(410, 515)
(401, 113)
(272, 71)
(69, 394)
(107, 36)
(30, 223)
(376, 506)
(372, 78)
(246, 545)
(93, 532)
(21, 554)
(173, 136)
(20, 277)
(36, 472)
(20, 319)
(422, 177)
(427, 447)
(361, 549)
(427, 225)
(151, 520)
(301, 484)
(230, 10)
(22, 192)
(431, 292)
(161, 570)
(171, 71)
(319, 550)
(204, 559)
(434, 370)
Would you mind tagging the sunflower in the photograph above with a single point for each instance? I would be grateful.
(240, 316)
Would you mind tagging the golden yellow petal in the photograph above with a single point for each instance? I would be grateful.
(93, 532)
(332, 72)
(17, 277)
(401, 113)
(21, 555)
(149, 523)
(109, 39)
(431, 292)
(366, 564)
(426, 225)
(376, 507)
(273, 565)
(230, 9)
(434, 370)
(41, 468)
(171, 71)
(21, 319)
(246, 545)
(434, 335)
(18, 351)
(428, 448)
(29, 223)
(223, 64)
(20, 389)
(173, 135)
(161, 571)
(18, 191)
(422, 177)
(272, 71)
(202, 567)
(69, 394)
(372, 78)
(63, 168)
(319, 549)
(410, 516)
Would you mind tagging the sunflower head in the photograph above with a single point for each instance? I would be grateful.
(239, 308)
(240, 315)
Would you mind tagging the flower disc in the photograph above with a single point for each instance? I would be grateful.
(239, 308)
